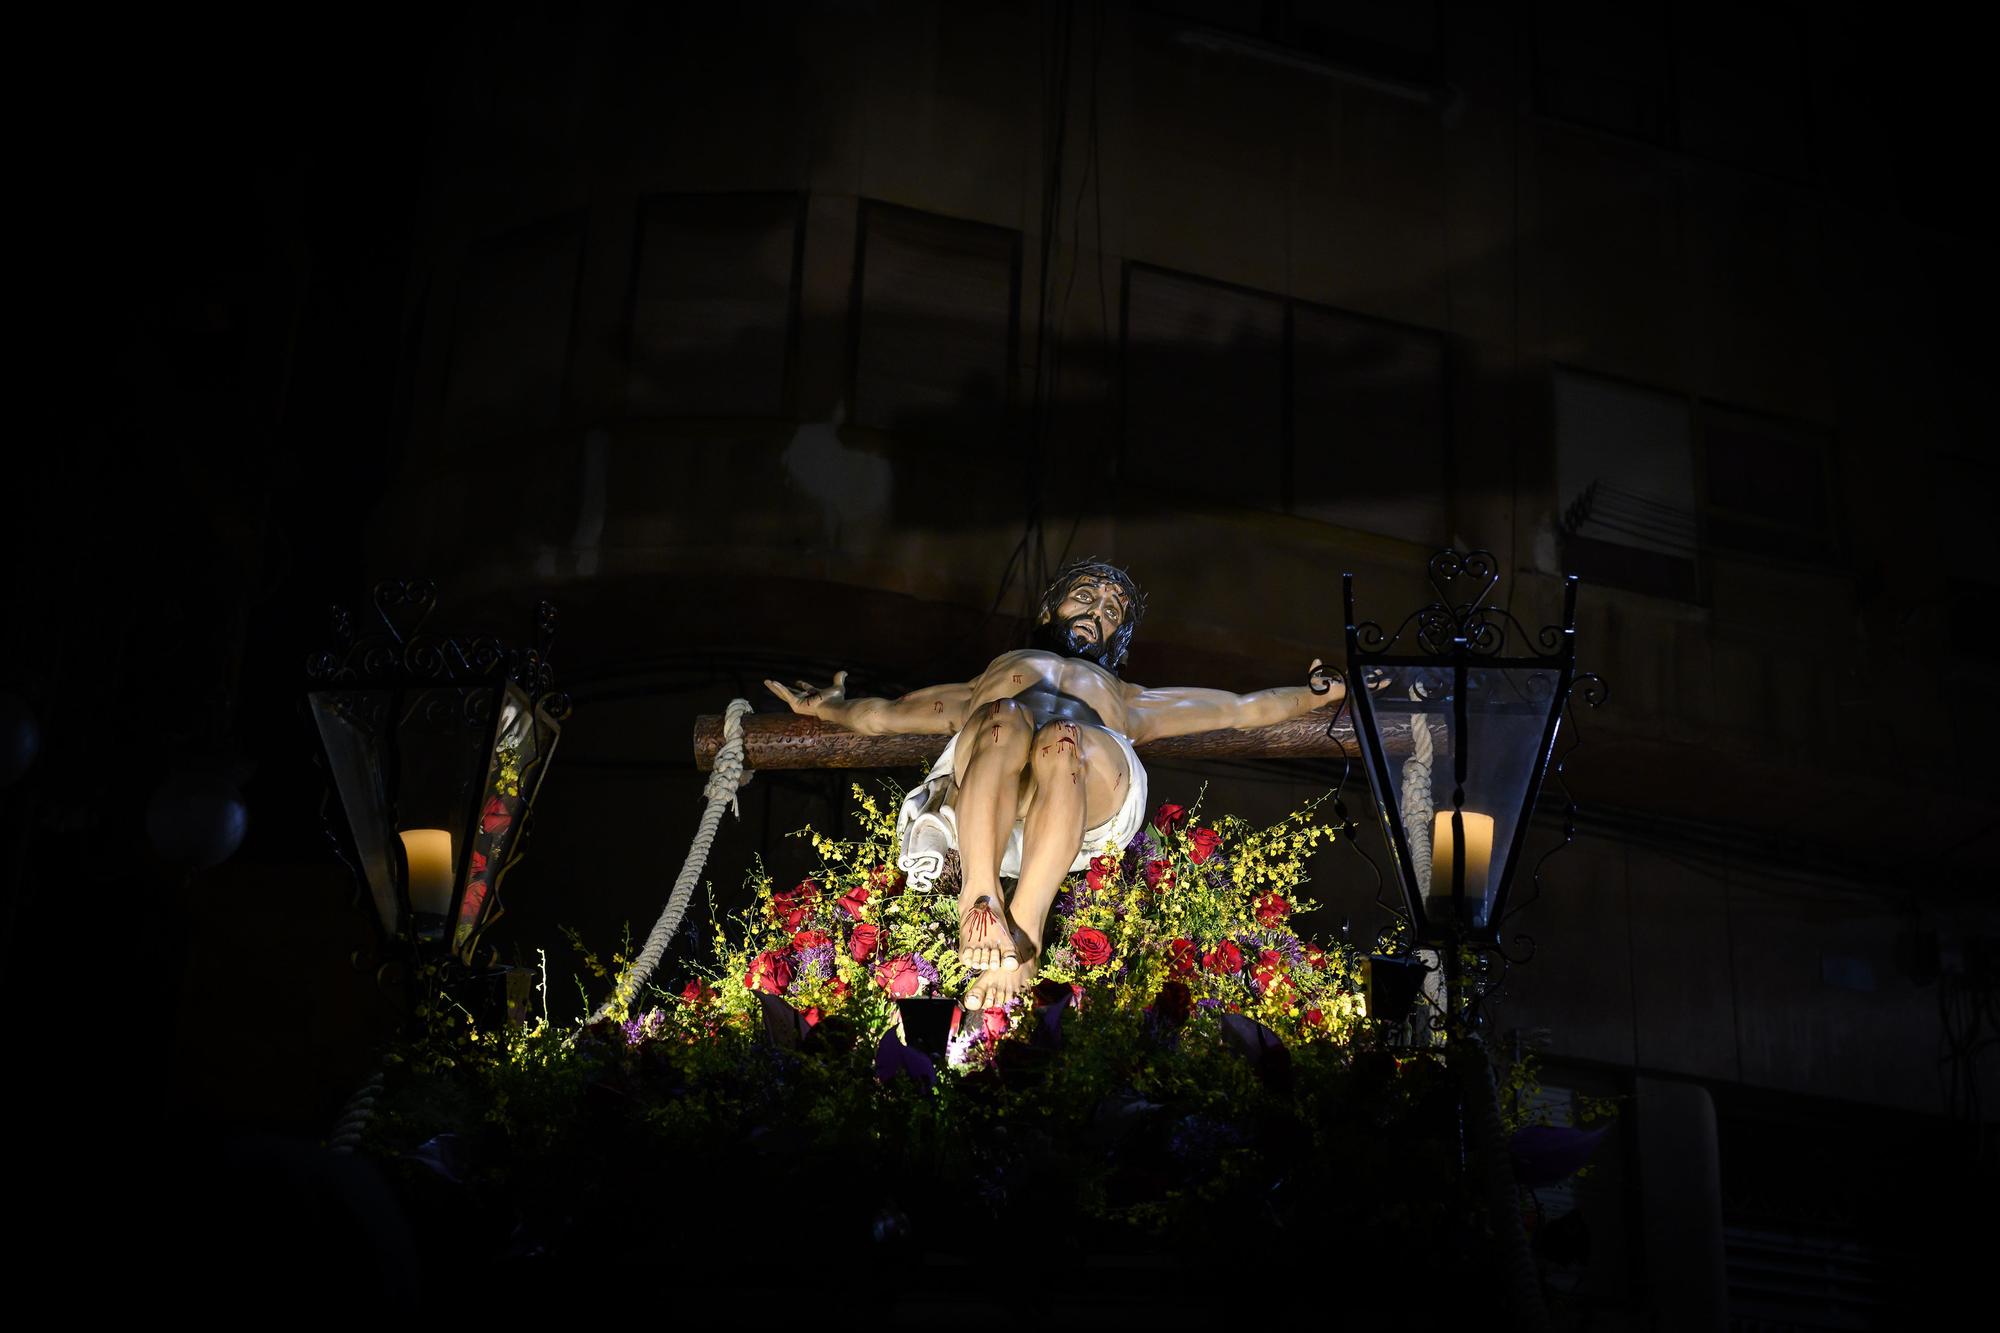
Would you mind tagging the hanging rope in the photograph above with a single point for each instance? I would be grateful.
(728, 776)
(1417, 805)
(1419, 813)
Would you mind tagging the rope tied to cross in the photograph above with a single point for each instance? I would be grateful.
(726, 779)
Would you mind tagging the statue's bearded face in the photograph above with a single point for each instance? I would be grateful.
(1089, 616)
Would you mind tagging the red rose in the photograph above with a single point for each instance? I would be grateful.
(478, 864)
(993, 1024)
(862, 942)
(496, 816)
(853, 901)
(1093, 947)
(1159, 874)
(696, 993)
(885, 882)
(769, 972)
(899, 976)
(1169, 816)
(1174, 1002)
(838, 988)
(810, 939)
(1224, 957)
(1202, 844)
(1181, 957)
(474, 899)
(793, 905)
(1270, 969)
(812, 1015)
(1102, 870)
(1314, 1017)
(1316, 957)
(1271, 909)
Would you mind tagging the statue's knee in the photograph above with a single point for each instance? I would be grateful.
(1059, 745)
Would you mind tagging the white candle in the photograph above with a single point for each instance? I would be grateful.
(1478, 855)
(432, 872)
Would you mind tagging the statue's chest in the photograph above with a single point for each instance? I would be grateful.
(1062, 688)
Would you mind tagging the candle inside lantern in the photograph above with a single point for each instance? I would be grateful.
(428, 851)
(1478, 860)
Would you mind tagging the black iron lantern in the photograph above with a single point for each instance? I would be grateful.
(435, 748)
(1456, 715)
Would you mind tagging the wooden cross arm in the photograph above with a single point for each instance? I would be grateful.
(787, 740)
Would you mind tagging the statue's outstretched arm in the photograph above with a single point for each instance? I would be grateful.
(936, 710)
(1183, 710)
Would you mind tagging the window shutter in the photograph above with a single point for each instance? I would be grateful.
(1625, 485)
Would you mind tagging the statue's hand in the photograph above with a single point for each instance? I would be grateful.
(1320, 682)
(812, 701)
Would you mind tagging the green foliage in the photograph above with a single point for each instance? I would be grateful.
(1252, 1112)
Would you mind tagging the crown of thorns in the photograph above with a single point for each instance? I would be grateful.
(1077, 570)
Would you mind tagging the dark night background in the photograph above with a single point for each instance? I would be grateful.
(290, 357)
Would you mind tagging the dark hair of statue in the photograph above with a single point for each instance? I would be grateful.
(1046, 633)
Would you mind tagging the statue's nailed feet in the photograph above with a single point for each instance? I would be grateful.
(993, 989)
(986, 936)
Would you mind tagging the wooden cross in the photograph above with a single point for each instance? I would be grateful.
(787, 740)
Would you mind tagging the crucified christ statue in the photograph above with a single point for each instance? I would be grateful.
(1040, 773)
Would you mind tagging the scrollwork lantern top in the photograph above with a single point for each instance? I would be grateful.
(400, 653)
(1460, 615)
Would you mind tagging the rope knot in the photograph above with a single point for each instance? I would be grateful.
(728, 777)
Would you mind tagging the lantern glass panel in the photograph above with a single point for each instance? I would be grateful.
(353, 726)
(1483, 729)
(522, 743)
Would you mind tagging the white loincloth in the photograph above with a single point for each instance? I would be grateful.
(927, 828)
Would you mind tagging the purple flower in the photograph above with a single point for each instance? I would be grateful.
(815, 964)
(1283, 941)
(644, 1026)
(1142, 847)
(1065, 903)
(925, 970)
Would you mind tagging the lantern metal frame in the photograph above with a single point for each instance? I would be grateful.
(388, 668)
(1457, 634)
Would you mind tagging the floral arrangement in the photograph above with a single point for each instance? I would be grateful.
(1187, 918)
(1189, 1070)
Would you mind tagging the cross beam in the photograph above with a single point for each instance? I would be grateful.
(787, 740)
